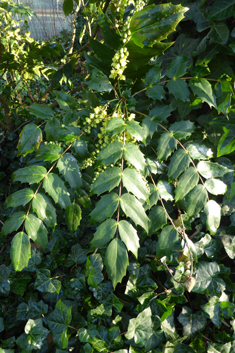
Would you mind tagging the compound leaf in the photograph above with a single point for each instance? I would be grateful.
(179, 162)
(215, 186)
(129, 237)
(30, 139)
(188, 180)
(166, 241)
(213, 215)
(19, 198)
(133, 209)
(166, 145)
(158, 219)
(49, 153)
(20, 252)
(140, 328)
(196, 200)
(45, 210)
(212, 170)
(105, 208)
(55, 187)
(73, 217)
(69, 168)
(134, 156)
(104, 233)
(36, 230)
(31, 175)
(13, 223)
(135, 184)
(107, 180)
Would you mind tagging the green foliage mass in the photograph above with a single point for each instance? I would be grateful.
(118, 202)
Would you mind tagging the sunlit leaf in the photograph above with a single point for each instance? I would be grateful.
(188, 180)
(29, 175)
(36, 230)
(44, 209)
(196, 200)
(140, 328)
(45, 284)
(19, 198)
(30, 139)
(73, 217)
(104, 233)
(133, 209)
(69, 168)
(20, 251)
(167, 240)
(129, 237)
(105, 208)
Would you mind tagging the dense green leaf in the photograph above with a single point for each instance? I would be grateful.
(99, 82)
(45, 210)
(33, 337)
(41, 111)
(30, 139)
(212, 170)
(223, 92)
(115, 126)
(104, 233)
(105, 208)
(77, 256)
(29, 175)
(46, 284)
(94, 266)
(199, 151)
(73, 217)
(21, 197)
(134, 156)
(161, 112)
(156, 92)
(111, 153)
(135, 130)
(167, 240)
(158, 219)
(191, 322)
(178, 67)
(13, 223)
(166, 145)
(133, 209)
(116, 261)
(55, 187)
(20, 251)
(215, 186)
(221, 348)
(179, 162)
(165, 190)
(182, 129)
(219, 33)
(58, 322)
(49, 153)
(212, 308)
(140, 328)
(134, 183)
(68, 167)
(129, 237)
(221, 9)
(202, 88)
(179, 89)
(67, 7)
(196, 200)
(188, 180)
(107, 180)
(36, 230)
(226, 143)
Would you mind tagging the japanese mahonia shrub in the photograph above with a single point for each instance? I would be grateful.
(132, 141)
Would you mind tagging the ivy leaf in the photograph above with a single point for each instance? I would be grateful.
(140, 328)
(41, 111)
(20, 252)
(196, 200)
(129, 237)
(134, 129)
(94, 267)
(105, 208)
(33, 337)
(44, 209)
(221, 348)
(179, 162)
(134, 156)
(215, 186)
(69, 168)
(227, 142)
(212, 308)
(13, 223)
(153, 24)
(229, 244)
(219, 33)
(165, 190)
(199, 151)
(212, 170)
(188, 180)
(45, 284)
(208, 281)
(107, 180)
(133, 209)
(58, 322)
(55, 187)
(116, 261)
(182, 129)
(135, 184)
(202, 88)
(191, 322)
(30, 139)
(49, 153)
(158, 219)
(77, 256)
(29, 175)
(220, 10)
(73, 217)
(19, 198)
(166, 145)
(36, 230)
(104, 233)
(111, 153)
(167, 240)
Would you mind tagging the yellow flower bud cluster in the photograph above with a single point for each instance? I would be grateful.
(119, 64)
(95, 118)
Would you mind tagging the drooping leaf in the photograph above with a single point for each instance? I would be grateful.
(29, 175)
(116, 261)
(134, 183)
(41, 111)
(196, 200)
(49, 153)
(202, 88)
(69, 168)
(55, 187)
(104, 233)
(20, 251)
(215, 186)
(191, 322)
(30, 139)
(94, 267)
(188, 180)
(13, 223)
(212, 170)
(19, 198)
(182, 129)
(58, 322)
(111, 153)
(166, 145)
(134, 156)
(165, 190)
(129, 237)
(140, 328)
(133, 209)
(73, 217)
(179, 162)
(36, 230)
(107, 180)
(45, 284)
(167, 240)
(44, 209)
(105, 208)
(158, 219)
